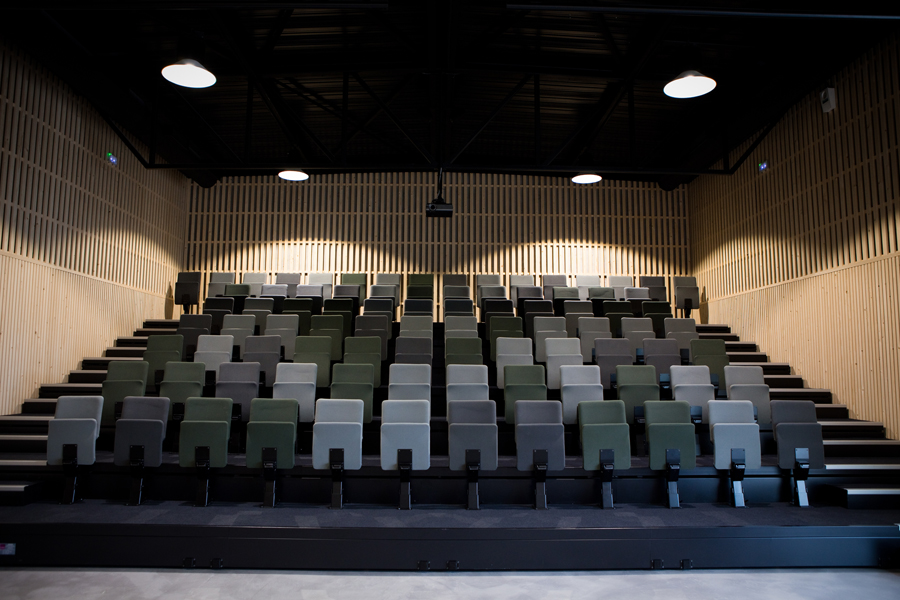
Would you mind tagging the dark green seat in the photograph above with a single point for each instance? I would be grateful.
(273, 424)
(207, 422)
(522, 382)
(711, 353)
(182, 380)
(360, 279)
(123, 378)
(160, 350)
(316, 350)
(354, 382)
(333, 327)
(503, 327)
(636, 384)
(602, 426)
(669, 427)
(365, 358)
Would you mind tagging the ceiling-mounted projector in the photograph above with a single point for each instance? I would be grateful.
(438, 209)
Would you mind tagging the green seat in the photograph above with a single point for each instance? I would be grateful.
(602, 426)
(364, 344)
(522, 382)
(292, 305)
(567, 293)
(305, 319)
(669, 427)
(601, 293)
(464, 359)
(503, 327)
(273, 424)
(123, 378)
(237, 289)
(317, 350)
(354, 382)
(207, 422)
(365, 358)
(182, 380)
(420, 279)
(333, 327)
(636, 384)
(712, 354)
(160, 350)
(360, 279)
(460, 345)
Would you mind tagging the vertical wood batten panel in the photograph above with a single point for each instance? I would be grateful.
(803, 258)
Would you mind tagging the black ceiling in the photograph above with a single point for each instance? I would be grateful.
(476, 86)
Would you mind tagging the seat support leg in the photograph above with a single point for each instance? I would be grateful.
(404, 462)
(270, 462)
(336, 459)
(738, 466)
(688, 306)
(800, 474)
(70, 469)
(473, 465)
(607, 469)
(673, 468)
(236, 422)
(201, 462)
(540, 459)
(136, 458)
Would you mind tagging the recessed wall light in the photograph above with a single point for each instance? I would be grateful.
(293, 175)
(586, 178)
(189, 73)
(689, 84)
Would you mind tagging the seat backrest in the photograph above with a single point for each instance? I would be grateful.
(132, 370)
(587, 324)
(561, 292)
(423, 279)
(689, 375)
(612, 347)
(373, 322)
(274, 289)
(632, 324)
(587, 280)
(467, 374)
(649, 281)
(255, 278)
(458, 345)
(298, 304)
(383, 291)
(637, 293)
(521, 280)
(622, 281)
(655, 347)
(165, 343)
(400, 373)
(353, 373)
(238, 289)
(459, 305)
(455, 279)
(321, 278)
(579, 375)
(388, 278)
(537, 306)
(195, 321)
(549, 324)
(602, 293)
(184, 371)
(208, 409)
(460, 322)
(283, 322)
(792, 411)
(287, 278)
(215, 343)
(499, 323)
(405, 411)
(362, 345)
(684, 282)
(339, 411)
(79, 407)
(239, 322)
(616, 307)
(313, 343)
(487, 279)
(635, 374)
(296, 373)
(144, 407)
(529, 291)
(247, 371)
(653, 307)
(730, 411)
(524, 374)
(751, 375)
(413, 345)
(263, 343)
(557, 346)
(278, 410)
(707, 347)
(378, 305)
(578, 306)
(309, 291)
(507, 345)
(667, 411)
(322, 322)
(529, 412)
(219, 304)
(598, 412)
(551, 281)
(221, 277)
(457, 291)
(346, 290)
(416, 323)
(471, 411)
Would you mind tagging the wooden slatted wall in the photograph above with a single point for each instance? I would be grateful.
(87, 250)
(375, 223)
(804, 258)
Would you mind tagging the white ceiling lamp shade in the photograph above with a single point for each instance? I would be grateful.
(188, 73)
(689, 84)
(293, 175)
(585, 178)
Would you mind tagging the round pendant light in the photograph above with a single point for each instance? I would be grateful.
(585, 178)
(189, 73)
(293, 175)
(689, 84)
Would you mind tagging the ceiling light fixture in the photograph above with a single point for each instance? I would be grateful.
(584, 178)
(293, 175)
(689, 84)
(188, 73)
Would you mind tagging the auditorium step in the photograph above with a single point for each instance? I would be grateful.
(132, 341)
(19, 493)
(125, 352)
(756, 357)
(101, 363)
(55, 390)
(850, 429)
(146, 332)
(726, 337)
(23, 442)
(783, 381)
(869, 496)
(39, 406)
(36, 424)
(817, 395)
(712, 328)
(832, 411)
(87, 376)
(161, 324)
(737, 346)
(769, 368)
(859, 448)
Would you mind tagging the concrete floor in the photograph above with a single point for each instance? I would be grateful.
(20, 584)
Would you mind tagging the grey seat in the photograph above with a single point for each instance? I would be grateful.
(256, 281)
(455, 279)
(547, 327)
(457, 291)
(385, 292)
(416, 326)
(265, 350)
(488, 291)
(656, 286)
(467, 382)
(691, 384)
(405, 425)
(589, 329)
(796, 426)
(76, 421)
(560, 351)
(610, 353)
(326, 280)
(472, 426)
(270, 290)
(298, 381)
(731, 426)
(512, 351)
(682, 331)
(618, 283)
(539, 426)
(413, 350)
(213, 351)
(143, 423)
(686, 290)
(409, 382)
(548, 282)
(187, 289)
(338, 425)
(579, 383)
(239, 327)
(374, 326)
(458, 307)
(749, 383)
(584, 283)
(217, 283)
(662, 354)
(240, 383)
(574, 310)
(517, 281)
(636, 330)
(191, 327)
(292, 280)
(637, 293)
